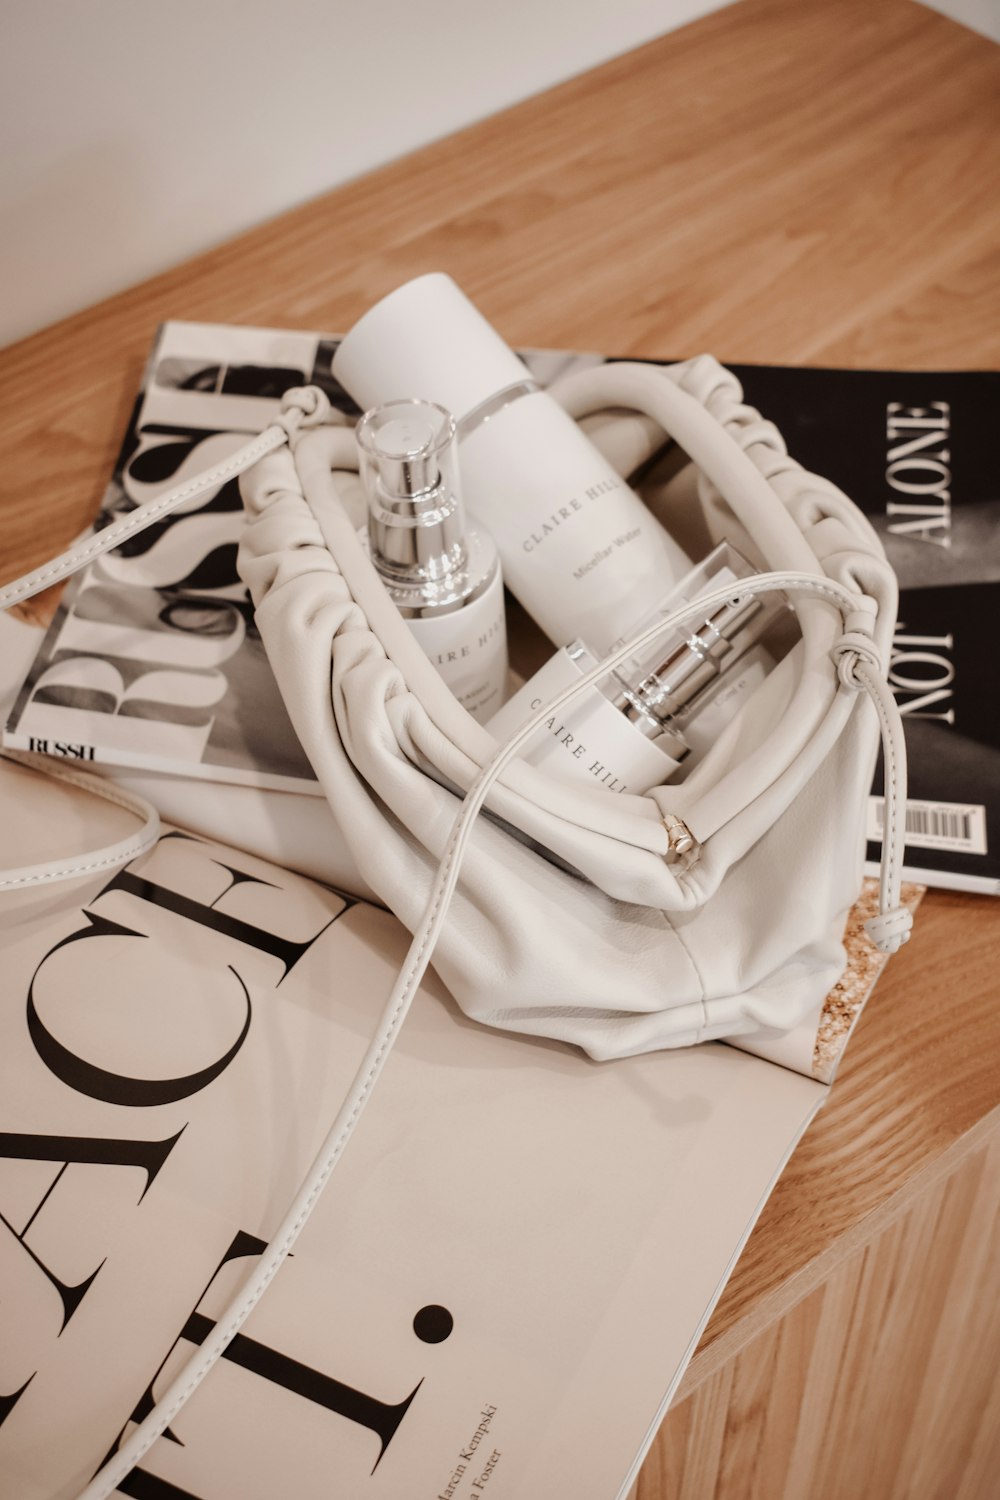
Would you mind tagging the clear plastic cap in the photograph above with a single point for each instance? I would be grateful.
(409, 468)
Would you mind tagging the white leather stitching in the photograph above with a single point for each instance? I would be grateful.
(302, 406)
(138, 519)
(96, 859)
(859, 666)
(889, 931)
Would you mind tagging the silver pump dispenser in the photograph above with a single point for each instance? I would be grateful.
(654, 691)
(417, 535)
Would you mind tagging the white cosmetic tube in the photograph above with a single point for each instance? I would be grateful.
(579, 548)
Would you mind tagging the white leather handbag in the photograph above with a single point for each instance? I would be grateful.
(710, 908)
(622, 924)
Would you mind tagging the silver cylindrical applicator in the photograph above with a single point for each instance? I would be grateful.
(443, 576)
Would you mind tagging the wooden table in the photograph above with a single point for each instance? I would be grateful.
(782, 181)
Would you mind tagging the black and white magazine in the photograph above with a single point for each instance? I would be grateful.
(153, 659)
(916, 451)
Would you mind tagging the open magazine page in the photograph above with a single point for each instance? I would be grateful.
(296, 832)
(503, 1281)
(153, 659)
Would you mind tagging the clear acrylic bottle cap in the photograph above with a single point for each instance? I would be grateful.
(416, 520)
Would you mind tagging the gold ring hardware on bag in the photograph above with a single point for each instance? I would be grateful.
(679, 836)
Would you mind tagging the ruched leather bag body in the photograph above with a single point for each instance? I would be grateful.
(710, 908)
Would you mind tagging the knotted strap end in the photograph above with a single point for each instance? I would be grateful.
(852, 649)
(303, 406)
(890, 929)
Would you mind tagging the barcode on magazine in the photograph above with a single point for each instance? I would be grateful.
(936, 825)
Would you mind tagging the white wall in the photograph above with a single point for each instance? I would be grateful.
(980, 15)
(138, 132)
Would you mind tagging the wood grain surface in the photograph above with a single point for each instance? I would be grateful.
(882, 1383)
(782, 181)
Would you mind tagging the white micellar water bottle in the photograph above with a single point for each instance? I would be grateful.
(443, 576)
(579, 548)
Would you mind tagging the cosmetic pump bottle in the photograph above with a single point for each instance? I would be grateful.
(659, 709)
(443, 576)
(579, 548)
